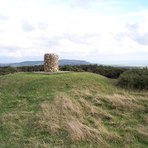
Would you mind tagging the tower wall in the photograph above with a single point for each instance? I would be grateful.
(51, 63)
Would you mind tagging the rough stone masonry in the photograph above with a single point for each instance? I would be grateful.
(51, 63)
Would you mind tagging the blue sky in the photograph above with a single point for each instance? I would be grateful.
(99, 31)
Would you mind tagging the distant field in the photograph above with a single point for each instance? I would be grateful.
(70, 110)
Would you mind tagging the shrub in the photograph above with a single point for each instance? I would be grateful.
(135, 79)
(7, 70)
(30, 68)
(107, 71)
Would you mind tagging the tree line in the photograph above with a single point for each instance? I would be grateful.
(134, 78)
(107, 71)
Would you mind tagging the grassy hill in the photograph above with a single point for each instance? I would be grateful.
(70, 110)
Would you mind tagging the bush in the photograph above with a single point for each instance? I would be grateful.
(30, 68)
(7, 70)
(107, 71)
(135, 79)
(71, 68)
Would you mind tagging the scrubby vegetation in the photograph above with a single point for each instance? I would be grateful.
(7, 70)
(134, 79)
(107, 71)
(70, 110)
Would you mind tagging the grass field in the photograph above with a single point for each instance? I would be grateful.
(70, 110)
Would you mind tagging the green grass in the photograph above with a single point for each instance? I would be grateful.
(70, 110)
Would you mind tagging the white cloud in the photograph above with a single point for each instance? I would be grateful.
(72, 29)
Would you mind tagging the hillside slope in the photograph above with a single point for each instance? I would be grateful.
(70, 110)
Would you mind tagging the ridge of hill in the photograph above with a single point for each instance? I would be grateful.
(62, 62)
(70, 110)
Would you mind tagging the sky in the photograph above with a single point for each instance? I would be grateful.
(112, 32)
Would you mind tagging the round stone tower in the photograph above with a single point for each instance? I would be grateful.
(51, 63)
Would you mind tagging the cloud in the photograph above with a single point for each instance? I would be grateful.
(26, 26)
(142, 39)
(47, 43)
(42, 25)
(78, 29)
(81, 39)
(3, 18)
(133, 35)
(91, 3)
(81, 3)
(10, 51)
(3, 21)
(133, 31)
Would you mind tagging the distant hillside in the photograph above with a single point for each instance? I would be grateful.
(61, 62)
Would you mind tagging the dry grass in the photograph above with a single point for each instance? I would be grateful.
(120, 101)
(54, 115)
(80, 131)
(73, 116)
(143, 130)
(82, 116)
(11, 117)
(116, 99)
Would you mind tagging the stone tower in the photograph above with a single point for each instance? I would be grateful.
(51, 62)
